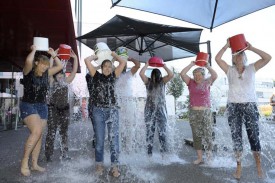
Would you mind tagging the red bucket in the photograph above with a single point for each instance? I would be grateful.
(202, 59)
(64, 52)
(156, 62)
(237, 43)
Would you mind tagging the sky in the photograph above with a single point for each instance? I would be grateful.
(257, 27)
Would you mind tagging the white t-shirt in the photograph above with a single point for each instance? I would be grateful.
(241, 90)
(123, 85)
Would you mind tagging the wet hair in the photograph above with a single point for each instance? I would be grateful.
(60, 72)
(244, 58)
(156, 78)
(105, 61)
(199, 69)
(43, 59)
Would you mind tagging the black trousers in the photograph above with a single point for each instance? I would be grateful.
(58, 119)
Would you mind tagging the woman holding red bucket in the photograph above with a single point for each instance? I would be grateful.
(33, 108)
(242, 100)
(105, 109)
(59, 109)
(200, 116)
(155, 111)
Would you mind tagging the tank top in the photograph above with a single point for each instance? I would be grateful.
(59, 96)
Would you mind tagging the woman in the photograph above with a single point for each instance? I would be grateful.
(33, 107)
(200, 117)
(59, 111)
(155, 111)
(242, 101)
(105, 110)
(125, 101)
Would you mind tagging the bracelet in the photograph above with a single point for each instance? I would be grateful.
(54, 56)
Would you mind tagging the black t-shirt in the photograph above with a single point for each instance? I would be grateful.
(103, 94)
(35, 87)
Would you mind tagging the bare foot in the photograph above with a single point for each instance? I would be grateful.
(38, 168)
(238, 172)
(99, 169)
(25, 171)
(260, 172)
(25, 168)
(115, 172)
(198, 162)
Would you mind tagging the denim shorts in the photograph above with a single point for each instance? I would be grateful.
(27, 109)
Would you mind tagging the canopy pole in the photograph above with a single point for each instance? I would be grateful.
(214, 15)
(114, 4)
(209, 51)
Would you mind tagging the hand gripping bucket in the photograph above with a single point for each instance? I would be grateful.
(64, 52)
(122, 52)
(237, 43)
(103, 52)
(202, 59)
(41, 43)
(156, 62)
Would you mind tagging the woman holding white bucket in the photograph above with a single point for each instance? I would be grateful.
(33, 108)
(242, 101)
(105, 109)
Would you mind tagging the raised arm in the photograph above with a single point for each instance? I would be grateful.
(271, 101)
(136, 66)
(92, 69)
(122, 64)
(144, 78)
(71, 77)
(169, 75)
(55, 69)
(29, 61)
(223, 65)
(212, 72)
(184, 71)
(265, 58)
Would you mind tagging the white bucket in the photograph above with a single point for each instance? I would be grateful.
(103, 52)
(41, 43)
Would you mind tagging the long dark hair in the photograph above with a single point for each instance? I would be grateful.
(156, 78)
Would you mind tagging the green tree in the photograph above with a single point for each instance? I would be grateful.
(175, 87)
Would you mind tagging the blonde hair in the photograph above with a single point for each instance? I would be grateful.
(43, 60)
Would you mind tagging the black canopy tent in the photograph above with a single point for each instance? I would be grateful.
(145, 39)
(205, 13)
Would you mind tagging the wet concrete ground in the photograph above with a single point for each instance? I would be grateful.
(136, 167)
